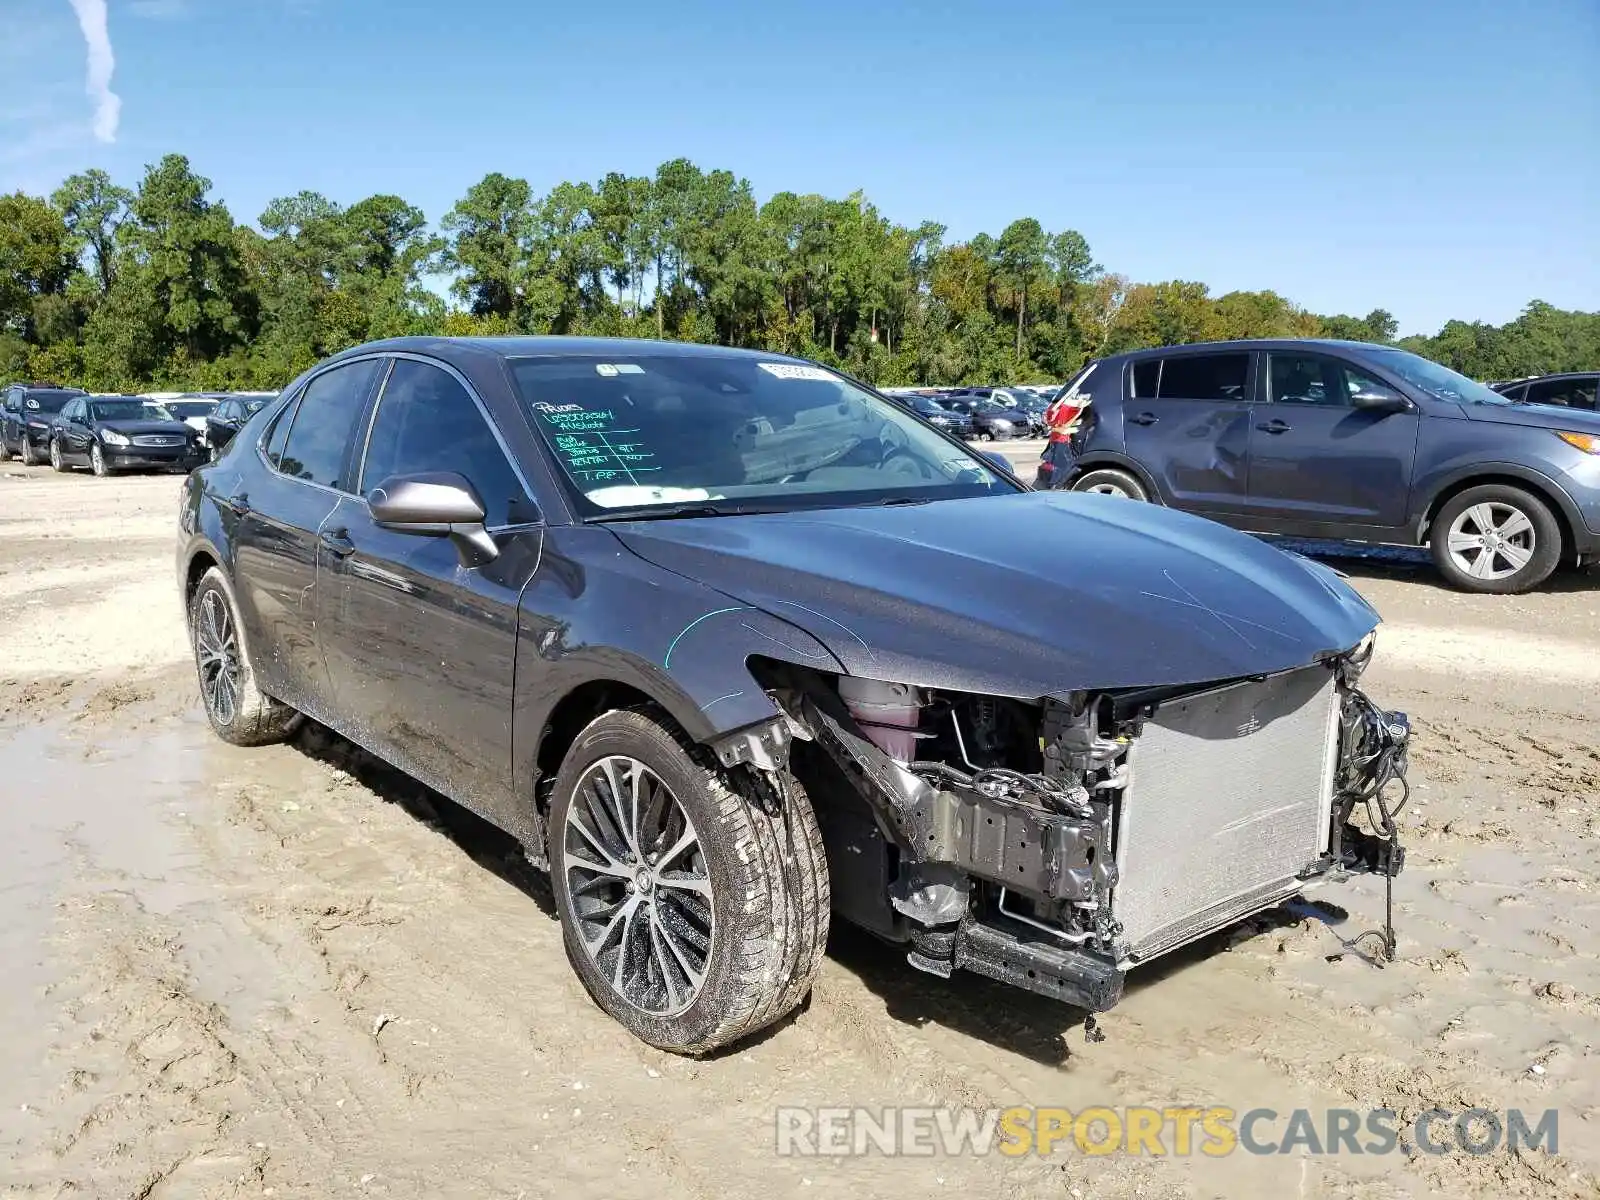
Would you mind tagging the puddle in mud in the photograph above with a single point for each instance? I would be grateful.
(90, 815)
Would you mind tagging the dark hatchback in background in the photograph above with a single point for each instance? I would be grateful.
(729, 643)
(121, 433)
(1574, 389)
(1351, 441)
(25, 416)
(991, 420)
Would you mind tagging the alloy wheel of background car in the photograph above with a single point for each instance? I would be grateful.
(97, 460)
(239, 712)
(1496, 538)
(27, 456)
(723, 933)
(1110, 482)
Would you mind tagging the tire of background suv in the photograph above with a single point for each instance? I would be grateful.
(1111, 482)
(252, 718)
(27, 456)
(1496, 504)
(762, 862)
(5, 449)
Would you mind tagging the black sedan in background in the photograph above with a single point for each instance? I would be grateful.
(956, 424)
(25, 416)
(116, 433)
(229, 416)
(991, 420)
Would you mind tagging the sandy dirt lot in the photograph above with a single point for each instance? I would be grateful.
(290, 972)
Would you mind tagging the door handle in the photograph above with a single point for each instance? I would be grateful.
(1144, 418)
(336, 543)
(239, 504)
(1274, 426)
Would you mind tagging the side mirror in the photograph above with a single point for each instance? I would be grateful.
(1380, 400)
(440, 503)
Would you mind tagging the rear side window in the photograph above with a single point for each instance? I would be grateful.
(1205, 377)
(426, 421)
(320, 433)
(1146, 377)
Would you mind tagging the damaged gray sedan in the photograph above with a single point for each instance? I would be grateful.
(733, 646)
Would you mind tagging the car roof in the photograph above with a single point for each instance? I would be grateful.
(1243, 344)
(537, 345)
(1553, 375)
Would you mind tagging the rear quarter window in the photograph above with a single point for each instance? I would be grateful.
(1214, 377)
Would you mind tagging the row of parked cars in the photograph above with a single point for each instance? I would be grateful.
(69, 427)
(983, 414)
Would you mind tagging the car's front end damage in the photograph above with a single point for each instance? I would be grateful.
(1054, 844)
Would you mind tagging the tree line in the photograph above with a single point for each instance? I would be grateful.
(158, 285)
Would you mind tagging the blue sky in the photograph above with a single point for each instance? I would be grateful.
(1438, 159)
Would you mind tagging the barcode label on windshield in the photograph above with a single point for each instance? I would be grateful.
(795, 371)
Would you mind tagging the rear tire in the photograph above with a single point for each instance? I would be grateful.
(5, 449)
(1496, 539)
(754, 873)
(239, 712)
(1108, 481)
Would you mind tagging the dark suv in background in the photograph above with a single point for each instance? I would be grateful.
(1346, 440)
(25, 414)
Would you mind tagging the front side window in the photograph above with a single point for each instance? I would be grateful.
(319, 435)
(1304, 379)
(427, 421)
(1205, 377)
(667, 429)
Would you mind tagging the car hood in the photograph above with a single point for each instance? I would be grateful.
(1536, 416)
(1022, 595)
(139, 427)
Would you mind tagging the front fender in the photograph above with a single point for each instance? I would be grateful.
(595, 612)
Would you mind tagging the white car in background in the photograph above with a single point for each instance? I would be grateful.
(192, 408)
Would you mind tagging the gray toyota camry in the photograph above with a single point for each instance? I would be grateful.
(733, 645)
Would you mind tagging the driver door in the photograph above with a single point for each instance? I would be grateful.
(421, 648)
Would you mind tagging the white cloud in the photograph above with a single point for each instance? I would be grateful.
(107, 104)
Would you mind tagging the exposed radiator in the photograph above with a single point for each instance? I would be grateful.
(1228, 800)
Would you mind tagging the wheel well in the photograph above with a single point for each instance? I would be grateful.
(1510, 481)
(573, 713)
(198, 566)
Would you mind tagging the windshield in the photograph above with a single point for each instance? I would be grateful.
(184, 409)
(128, 410)
(667, 430)
(1438, 381)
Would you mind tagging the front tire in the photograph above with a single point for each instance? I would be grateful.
(1495, 538)
(57, 463)
(239, 712)
(694, 904)
(97, 461)
(1108, 481)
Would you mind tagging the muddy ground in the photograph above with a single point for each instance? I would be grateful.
(289, 972)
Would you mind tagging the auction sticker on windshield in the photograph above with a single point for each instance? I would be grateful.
(796, 371)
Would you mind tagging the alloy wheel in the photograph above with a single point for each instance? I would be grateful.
(55, 454)
(97, 459)
(216, 648)
(1107, 489)
(1491, 540)
(639, 886)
